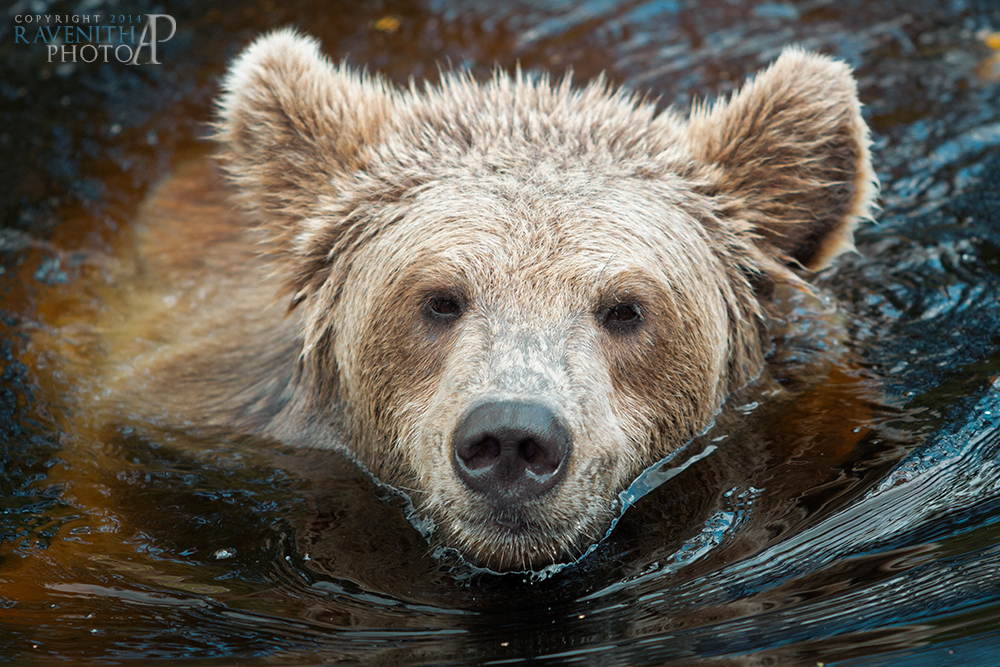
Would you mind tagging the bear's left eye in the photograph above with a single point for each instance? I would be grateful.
(443, 308)
(622, 317)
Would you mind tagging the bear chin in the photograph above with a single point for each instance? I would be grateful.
(522, 538)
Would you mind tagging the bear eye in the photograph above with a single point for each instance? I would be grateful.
(622, 317)
(443, 308)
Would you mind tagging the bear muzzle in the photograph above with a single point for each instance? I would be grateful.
(511, 452)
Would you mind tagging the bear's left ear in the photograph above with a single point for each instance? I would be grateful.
(789, 154)
(292, 128)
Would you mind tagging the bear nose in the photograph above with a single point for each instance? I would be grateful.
(511, 451)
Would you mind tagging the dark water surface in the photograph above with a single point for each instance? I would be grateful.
(843, 513)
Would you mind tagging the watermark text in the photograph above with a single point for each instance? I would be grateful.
(130, 39)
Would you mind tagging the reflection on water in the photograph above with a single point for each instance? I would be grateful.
(841, 511)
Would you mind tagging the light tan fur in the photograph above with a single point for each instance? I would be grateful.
(537, 207)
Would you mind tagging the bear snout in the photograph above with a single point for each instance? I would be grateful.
(511, 451)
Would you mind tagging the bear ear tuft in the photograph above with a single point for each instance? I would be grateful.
(789, 153)
(291, 124)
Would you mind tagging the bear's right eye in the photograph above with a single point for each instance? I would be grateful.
(623, 317)
(443, 308)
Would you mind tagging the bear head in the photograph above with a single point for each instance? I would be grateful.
(515, 295)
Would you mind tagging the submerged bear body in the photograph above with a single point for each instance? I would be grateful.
(506, 298)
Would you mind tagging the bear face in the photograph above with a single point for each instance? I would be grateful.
(552, 319)
(511, 297)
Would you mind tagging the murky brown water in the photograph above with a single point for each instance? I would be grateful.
(846, 520)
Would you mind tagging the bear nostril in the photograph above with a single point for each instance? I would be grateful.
(482, 454)
(511, 451)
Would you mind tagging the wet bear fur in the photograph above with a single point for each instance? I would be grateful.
(377, 264)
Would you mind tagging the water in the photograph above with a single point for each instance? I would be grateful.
(844, 519)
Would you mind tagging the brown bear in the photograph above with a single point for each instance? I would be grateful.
(506, 298)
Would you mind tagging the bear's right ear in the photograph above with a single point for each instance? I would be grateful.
(291, 125)
(789, 151)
